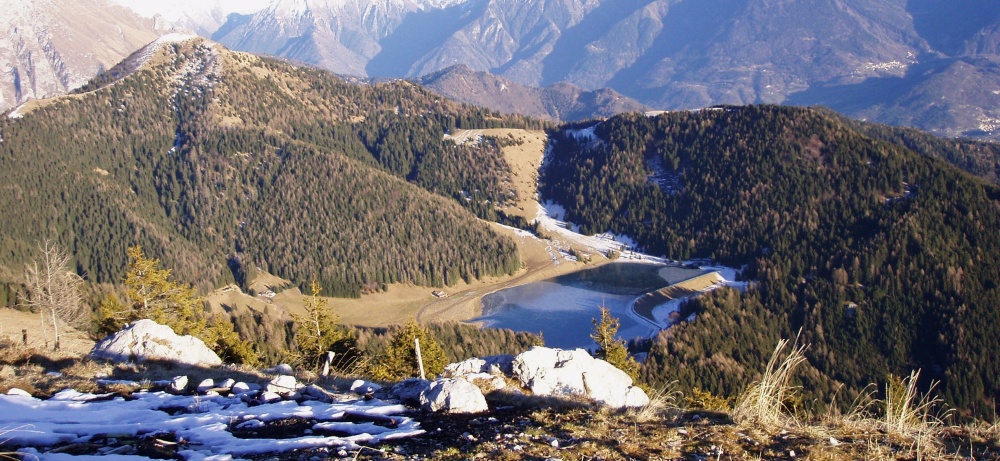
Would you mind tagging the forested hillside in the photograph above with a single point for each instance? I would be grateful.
(886, 259)
(216, 162)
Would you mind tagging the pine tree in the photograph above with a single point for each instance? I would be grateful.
(319, 331)
(154, 296)
(610, 349)
(150, 294)
(399, 361)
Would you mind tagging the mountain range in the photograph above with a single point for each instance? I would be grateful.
(50, 47)
(928, 64)
(925, 63)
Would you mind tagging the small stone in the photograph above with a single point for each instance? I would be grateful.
(282, 369)
(227, 383)
(469, 437)
(240, 388)
(18, 392)
(834, 442)
(682, 431)
(362, 387)
(206, 385)
(269, 397)
(178, 385)
(554, 443)
(791, 453)
(283, 384)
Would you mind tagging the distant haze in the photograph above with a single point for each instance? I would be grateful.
(174, 9)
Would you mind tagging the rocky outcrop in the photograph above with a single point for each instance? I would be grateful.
(562, 373)
(147, 340)
(543, 371)
(453, 396)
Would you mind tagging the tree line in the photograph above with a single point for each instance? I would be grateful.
(884, 257)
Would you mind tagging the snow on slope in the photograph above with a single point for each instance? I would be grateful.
(203, 422)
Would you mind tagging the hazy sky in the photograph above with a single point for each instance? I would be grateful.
(173, 9)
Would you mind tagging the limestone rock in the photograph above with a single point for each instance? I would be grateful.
(486, 382)
(497, 364)
(453, 396)
(284, 385)
(147, 340)
(178, 385)
(409, 390)
(556, 372)
(362, 387)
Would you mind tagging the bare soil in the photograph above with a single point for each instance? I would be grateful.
(72, 342)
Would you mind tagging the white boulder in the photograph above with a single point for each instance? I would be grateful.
(556, 372)
(284, 385)
(178, 385)
(409, 390)
(453, 396)
(147, 340)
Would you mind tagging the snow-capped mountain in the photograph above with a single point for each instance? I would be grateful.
(200, 16)
(49, 47)
(339, 35)
(867, 58)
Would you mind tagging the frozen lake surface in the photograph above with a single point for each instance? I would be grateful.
(563, 308)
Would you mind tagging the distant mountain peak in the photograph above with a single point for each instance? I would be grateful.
(49, 48)
(196, 73)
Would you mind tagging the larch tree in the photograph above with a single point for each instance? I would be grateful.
(53, 289)
(152, 295)
(611, 349)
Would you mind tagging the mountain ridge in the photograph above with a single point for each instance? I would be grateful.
(230, 147)
(53, 47)
(681, 54)
(557, 102)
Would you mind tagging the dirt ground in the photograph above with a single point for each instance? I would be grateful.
(13, 321)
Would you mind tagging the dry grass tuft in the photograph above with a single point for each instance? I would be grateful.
(663, 403)
(763, 403)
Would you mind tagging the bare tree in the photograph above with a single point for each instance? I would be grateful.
(53, 289)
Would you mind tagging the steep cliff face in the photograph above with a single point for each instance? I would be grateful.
(49, 47)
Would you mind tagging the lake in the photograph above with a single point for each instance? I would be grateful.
(562, 308)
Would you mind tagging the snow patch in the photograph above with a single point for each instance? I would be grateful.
(565, 235)
(75, 417)
(15, 114)
(583, 135)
